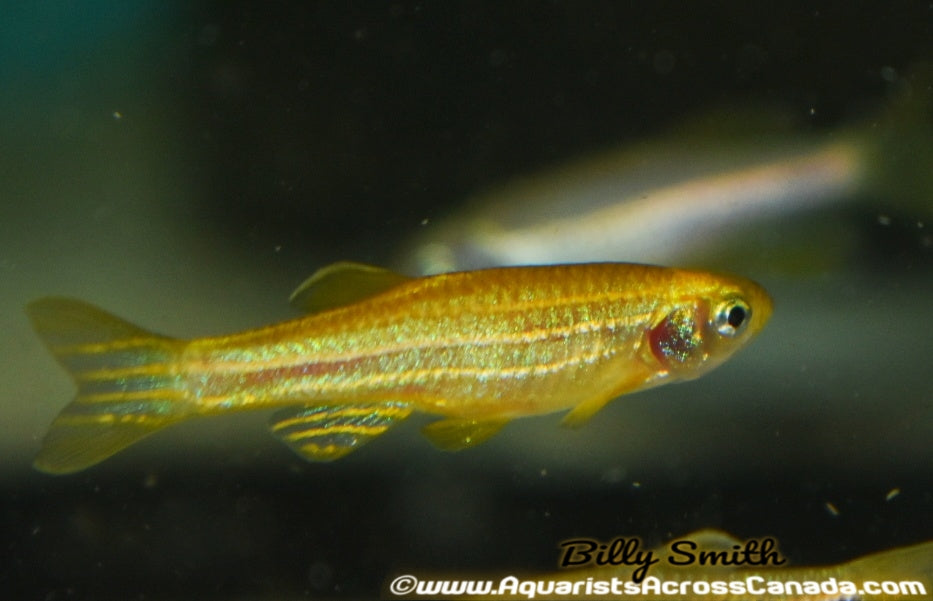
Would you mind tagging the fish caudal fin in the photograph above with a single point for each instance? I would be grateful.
(128, 386)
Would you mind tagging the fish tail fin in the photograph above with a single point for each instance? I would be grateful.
(128, 383)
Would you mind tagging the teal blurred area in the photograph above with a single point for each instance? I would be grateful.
(38, 39)
(186, 164)
(60, 60)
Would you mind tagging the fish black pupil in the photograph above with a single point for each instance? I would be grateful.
(736, 317)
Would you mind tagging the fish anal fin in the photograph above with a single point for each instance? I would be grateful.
(341, 284)
(328, 432)
(456, 434)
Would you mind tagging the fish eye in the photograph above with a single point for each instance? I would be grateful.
(731, 316)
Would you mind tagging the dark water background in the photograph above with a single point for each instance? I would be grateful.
(185, 165)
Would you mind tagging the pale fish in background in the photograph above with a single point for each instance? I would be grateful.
(692, 198)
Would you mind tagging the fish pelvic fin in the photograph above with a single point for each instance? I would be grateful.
(457, 434)
(128, 383)
(328, 432)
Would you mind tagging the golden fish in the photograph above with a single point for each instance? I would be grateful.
(479, 348)
(703, 566)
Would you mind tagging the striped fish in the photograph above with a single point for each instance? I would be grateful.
(478, 348)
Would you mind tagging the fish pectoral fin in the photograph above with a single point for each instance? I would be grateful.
(456, 434)
(328, 432)
(636, 379)
(342, 284)
(582, 413)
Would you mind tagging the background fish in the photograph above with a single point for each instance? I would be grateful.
(726, 187)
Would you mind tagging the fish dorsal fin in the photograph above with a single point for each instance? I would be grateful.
(458, 434)
(341, 284)
(328, 432)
